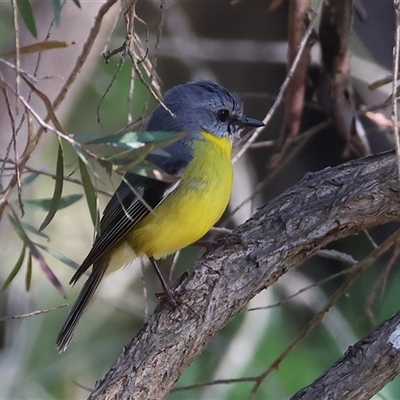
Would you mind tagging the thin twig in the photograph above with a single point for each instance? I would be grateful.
(304, 289)
(396, 52)
(380, 283)
(32, 314)
(279, 97)
(301, 139)
(50, 175)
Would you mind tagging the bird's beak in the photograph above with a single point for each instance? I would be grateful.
(250, 122)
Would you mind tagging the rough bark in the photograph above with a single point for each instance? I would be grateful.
(323, 207)
(363, 370)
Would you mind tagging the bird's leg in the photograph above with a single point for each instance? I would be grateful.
(168, 293)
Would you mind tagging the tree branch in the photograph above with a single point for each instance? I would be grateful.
(323, 207)
(363, 370)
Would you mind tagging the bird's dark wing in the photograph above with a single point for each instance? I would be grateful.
(135, 198)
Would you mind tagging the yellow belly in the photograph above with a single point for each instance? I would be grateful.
(193, 207)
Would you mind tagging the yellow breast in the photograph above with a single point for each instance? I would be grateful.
(194, 206)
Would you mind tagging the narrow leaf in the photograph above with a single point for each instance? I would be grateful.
(90, 193)
(136, 139)
(56, 10)
(15, 269)
(77, 3)
(40, 47)
(25, 9)
(28, 276)
(47, 270)
(85, 161)
(44, 204)
(19, 229)
(58, 256)
(34, 252)
(30, 178)
(47, 104)
(33, 229)
(58, 187)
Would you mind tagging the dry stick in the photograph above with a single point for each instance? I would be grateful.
(87, 47)
(12, 122)
(304, 289)
(358, 269)
(279, 97)
(380, 283)
(61, 95)
(295, 93)
(145, 292)
(216, 382)
(152, 74)
(49, 174)
(17, 53)
(303, 139)
(17, 89)
(33, 313)
(396, 51)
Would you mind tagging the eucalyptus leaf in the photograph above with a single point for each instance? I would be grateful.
(15, 269)
(28, 276)
(58, 256)
(34, 252)
(25, 9)
(133, 139)
(90, 193)
(30, 178)
(44, 204)
(34, 230)
(56, 10)
(58, 187)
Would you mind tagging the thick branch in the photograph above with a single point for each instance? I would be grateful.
(363, 370)
(323, 207)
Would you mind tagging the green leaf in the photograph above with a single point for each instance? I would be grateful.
(58, 187)
(28, 276)
(30, 178)
(86, 162)
(77, 3)
(15, 269)
(57, 10)
(33, 229)
(134, 140)
(90, 193)
(148, 170)
(33, 251)
(83, 138)
(44, 204)
(58, 256)
(25, 9)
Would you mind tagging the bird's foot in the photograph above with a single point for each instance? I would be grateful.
(170, 296)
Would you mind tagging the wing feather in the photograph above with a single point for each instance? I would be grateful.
(127, 207)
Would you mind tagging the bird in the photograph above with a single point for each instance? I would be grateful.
(154, 218)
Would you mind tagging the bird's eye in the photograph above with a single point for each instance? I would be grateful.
(222, 115)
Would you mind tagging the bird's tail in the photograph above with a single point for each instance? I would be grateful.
(86, 294)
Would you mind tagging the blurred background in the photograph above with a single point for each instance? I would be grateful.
(243, 46)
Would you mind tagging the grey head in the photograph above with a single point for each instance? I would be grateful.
(201, 106)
